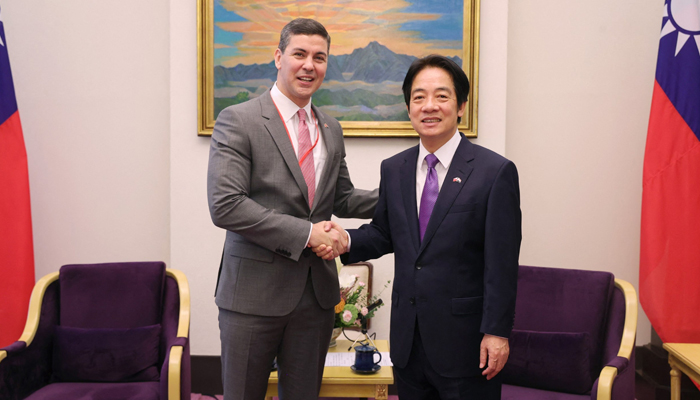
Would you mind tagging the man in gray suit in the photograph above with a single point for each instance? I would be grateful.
(276, 172)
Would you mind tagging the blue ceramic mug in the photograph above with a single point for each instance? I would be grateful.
(364, 358)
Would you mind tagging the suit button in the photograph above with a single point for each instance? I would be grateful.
(418, 266)
(412, 300)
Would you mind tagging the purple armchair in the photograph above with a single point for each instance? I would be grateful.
(103, 331)
(573, 337)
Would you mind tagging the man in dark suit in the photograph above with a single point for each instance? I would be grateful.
(449, 210)
(276, 171)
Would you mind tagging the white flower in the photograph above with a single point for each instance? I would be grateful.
(346, 281)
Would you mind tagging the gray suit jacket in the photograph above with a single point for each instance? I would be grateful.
(257, 192)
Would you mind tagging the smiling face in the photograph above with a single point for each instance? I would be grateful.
(433, 107)
(302, 67)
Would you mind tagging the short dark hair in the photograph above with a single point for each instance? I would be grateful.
(459, 78)
(302, 26)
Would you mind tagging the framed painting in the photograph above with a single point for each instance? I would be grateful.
(373, 42)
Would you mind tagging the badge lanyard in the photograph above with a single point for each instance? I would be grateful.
(318, 133)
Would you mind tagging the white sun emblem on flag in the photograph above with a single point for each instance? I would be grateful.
(684, 17)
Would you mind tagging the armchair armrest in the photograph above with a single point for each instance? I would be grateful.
(177, 360)
(34, 314)
(32, 325)
(620, 364)
(174, 368)
(13, 380)
(14, 348)
(25, 368)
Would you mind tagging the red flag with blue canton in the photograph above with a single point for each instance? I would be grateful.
(16, 248)
(669, 274)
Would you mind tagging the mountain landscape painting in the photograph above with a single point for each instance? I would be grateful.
(373, 42)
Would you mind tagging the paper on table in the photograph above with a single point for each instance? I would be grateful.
(348, 359)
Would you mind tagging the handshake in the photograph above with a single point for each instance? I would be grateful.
(328, 240)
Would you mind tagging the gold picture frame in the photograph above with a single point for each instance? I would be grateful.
(206, 64)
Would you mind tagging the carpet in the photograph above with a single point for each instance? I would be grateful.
(199, 396)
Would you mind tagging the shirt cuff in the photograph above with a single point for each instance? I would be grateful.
(496, 336)
(311, 227)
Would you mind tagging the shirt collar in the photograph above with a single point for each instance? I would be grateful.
(286, 107)
(444, 154)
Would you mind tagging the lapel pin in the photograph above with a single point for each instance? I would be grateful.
(457, 179)
(325, 125)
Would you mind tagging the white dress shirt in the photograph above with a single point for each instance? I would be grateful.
(444, 155)
(289, 112)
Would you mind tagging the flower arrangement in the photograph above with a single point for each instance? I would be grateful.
(354, 305)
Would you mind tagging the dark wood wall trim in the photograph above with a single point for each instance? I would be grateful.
(206, 375)
(652, 375)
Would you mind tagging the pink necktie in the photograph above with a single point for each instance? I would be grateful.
(430, 194)
(307, 163)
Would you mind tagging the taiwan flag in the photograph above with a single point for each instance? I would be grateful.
(669, 274)
(16, 248)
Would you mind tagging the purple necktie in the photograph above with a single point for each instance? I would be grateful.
(430, 194)
(306, 163)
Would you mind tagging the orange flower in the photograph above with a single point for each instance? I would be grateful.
(340, 306)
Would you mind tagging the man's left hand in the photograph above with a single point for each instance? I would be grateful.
(496, 350)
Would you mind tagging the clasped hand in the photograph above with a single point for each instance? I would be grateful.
(328, 240)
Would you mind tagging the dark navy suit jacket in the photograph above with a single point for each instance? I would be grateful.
(460, 281)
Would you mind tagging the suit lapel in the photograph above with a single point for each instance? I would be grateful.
(329, 143)
(277, 129)
(408, 192)
(459, 168)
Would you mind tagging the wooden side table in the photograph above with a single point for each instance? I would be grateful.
(683, 357)
(342, 382)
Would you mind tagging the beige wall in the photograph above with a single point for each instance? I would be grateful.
(107, 96)
(580, 77)
(92, 87)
